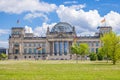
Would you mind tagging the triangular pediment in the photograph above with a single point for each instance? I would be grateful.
(60, 36)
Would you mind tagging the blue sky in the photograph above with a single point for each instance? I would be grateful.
(37, 15)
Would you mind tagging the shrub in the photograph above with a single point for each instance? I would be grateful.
(3, 56)
(100, 56)
(93, 56)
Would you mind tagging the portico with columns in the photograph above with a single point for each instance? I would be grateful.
(59, 40)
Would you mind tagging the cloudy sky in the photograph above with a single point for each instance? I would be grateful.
(37, 15)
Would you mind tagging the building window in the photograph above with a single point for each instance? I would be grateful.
(92, 49)
(16, 44)
(55, 48)
(25, 50)
(97, 43)
(39, 44)
(65, 47)
(30, 51)
(34, 50)
(89, 43)
(96, 50)
(43, 50)
(78, 43)
(25, 44)
(60, 48)
(92, 43)
(43, 45)
(16, 51)
(29, 44)
(39, 51)
(34, 44)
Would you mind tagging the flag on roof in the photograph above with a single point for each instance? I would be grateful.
(103, 20)
(39, 48)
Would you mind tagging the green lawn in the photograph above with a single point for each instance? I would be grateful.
(58, 70)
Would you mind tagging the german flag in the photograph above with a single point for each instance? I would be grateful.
(39, 48)
(102, 21)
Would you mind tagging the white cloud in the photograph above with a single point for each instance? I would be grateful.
(20, 6)
(41, 30)
(78, 7)
(83, 21)
(31, 16)
(87, 21)
(70, 2)
(2, 32)
(28, 29)
(4, 44)
(113, 19)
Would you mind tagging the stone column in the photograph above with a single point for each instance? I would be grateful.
(20, 48)
(11, 47)
(58, 50)
(47, 47)
(63, 48)
(53, 48)
(68, 47)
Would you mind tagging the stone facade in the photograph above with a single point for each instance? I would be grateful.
(55, 46)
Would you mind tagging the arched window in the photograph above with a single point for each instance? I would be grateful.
(16, 44)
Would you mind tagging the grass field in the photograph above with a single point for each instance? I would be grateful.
(58, 70)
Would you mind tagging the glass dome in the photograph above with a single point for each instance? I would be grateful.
(62, 27)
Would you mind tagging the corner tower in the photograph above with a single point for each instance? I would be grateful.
(15, 41)
(104, 29)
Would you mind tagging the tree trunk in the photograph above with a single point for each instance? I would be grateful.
(114, 62)
(107, 58)
(76, 58)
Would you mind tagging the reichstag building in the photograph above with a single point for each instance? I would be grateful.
(55, 46)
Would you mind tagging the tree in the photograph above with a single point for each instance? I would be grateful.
(111, 45)
(75, 50)
(79, 49)
(3, 56)
(84, 50)
(101, 54)
(93, 56)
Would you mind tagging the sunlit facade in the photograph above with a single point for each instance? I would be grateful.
(55, 46)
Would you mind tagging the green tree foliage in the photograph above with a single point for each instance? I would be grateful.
(3, 56)
(93, 56)
(101, 53)
(80, 49)
(75, 49)
(111, 46)
(84, 50)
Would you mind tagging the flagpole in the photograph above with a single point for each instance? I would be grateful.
(17, 22)
(38, 49)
